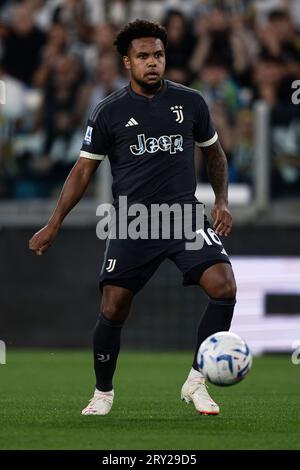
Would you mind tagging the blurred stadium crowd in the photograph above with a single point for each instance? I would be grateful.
(57, 61)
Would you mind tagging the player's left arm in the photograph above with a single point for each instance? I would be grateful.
(217, 171)
(206, 138)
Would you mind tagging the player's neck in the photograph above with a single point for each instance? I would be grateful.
(139, 90)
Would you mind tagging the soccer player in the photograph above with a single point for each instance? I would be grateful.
(148, 130)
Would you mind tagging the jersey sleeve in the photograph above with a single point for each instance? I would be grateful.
(96, 141)
(204, 131)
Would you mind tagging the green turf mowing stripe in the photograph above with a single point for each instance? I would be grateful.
(42, 394)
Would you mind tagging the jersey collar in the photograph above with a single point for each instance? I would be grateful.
(156, 97)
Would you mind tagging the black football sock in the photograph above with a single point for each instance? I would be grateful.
(217, 317)
(106, 343)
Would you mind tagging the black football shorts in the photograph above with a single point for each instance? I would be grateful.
(131, 263)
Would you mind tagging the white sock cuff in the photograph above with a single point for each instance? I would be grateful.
(195, 374)
(99, 391)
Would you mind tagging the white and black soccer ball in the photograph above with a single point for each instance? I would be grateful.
(224, 358)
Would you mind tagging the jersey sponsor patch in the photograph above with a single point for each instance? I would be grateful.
(165, 143)
(88, 136)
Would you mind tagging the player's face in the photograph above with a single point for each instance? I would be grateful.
(146, 61)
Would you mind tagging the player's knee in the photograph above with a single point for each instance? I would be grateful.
(115, 304)
(224, 289)
(115, 310)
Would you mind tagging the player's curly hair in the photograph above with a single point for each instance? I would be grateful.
(139, 29)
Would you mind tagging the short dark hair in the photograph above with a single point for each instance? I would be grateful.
(139, 29)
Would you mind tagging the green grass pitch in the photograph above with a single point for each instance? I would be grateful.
(42, 394)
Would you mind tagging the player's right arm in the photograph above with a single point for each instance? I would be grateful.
(93, 151)
(73, 190)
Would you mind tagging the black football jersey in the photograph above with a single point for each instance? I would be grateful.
(150, 142)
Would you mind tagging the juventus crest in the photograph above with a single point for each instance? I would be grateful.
(179, 113)
(103, 357)
(111, 265)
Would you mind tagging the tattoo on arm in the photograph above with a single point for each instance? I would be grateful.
(217, 169)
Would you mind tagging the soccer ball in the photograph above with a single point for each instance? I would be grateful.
(224, 358)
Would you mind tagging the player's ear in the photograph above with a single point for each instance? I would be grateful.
(126, 62)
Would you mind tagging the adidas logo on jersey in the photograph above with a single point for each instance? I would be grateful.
(131, 122)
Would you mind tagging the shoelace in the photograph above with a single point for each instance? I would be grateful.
(196, 382)
(199, 381)
(103, 397)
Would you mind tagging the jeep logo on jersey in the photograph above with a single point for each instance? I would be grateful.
(165, 143)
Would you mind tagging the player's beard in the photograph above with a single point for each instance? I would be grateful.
(149, 86)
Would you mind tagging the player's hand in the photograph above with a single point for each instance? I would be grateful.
(42, 239)
(222, 219)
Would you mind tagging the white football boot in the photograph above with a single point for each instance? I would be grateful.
(100, 404)
(195, 390)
